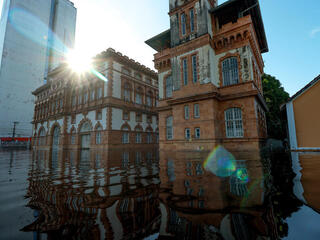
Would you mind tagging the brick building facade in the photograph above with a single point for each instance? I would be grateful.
(88, 111)
(210, 65)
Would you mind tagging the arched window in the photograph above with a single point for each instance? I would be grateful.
(139, 95)
(127, 92)
(149, 136)
(233, 119)
(149, 98)
(138, 134)
(42, 137)
(169, 127)
(125, 135)
(73, 99)
(73, 137)
(98, 135)
(85, 97)
(230, 72)
(169, 87)
(92, 95)
(56, 136)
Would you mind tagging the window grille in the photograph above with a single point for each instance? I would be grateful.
(125, 136)
(138, 138)
(98, 135)
(230, 73)
(234, 127)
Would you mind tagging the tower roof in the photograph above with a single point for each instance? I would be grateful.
(232, 10)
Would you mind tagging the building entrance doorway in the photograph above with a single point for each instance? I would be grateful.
(85, 135)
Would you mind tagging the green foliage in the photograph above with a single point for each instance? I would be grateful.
(275, 95)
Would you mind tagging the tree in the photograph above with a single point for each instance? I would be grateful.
(275, 95)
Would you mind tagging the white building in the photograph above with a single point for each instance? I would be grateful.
(34, 37)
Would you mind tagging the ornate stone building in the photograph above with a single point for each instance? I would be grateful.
(112, 106)
(210, 65)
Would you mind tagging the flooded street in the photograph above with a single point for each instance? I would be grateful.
(144, 194)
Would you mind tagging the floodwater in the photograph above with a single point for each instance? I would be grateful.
(144, 194)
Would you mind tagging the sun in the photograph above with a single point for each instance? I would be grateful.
(79, 62)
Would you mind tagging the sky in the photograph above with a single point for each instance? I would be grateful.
(292, 30)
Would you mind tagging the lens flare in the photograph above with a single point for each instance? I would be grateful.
(98, 75)
(242, 175)
(32, 28)
(79, 62)
(35, 30)
(220, 162)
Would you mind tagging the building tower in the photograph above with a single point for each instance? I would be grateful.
(34, 37)
(210, 65)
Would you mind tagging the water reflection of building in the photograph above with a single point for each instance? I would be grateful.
(95, 194)
(114, 108)
(306, 166)
(196, 204)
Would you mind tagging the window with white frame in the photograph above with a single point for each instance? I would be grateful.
(194, 69)
(138, 137)
(92, 95)
(80, 99)
(139, 96)
(149, 137)
(185, 71)
(183, 24)
(234, 126)
(169, 86)
(85, 98)
(73, 137)
(169, 128)
(197, 133)
(42, 137)
(187, 133)
(125, 135)
(192, 20)
(186, 112)
(74, 100)
(99, 115)
(127, 92)
(98, 135)
(196, 111)
(99, 92)
(149, 99)
(230, 72)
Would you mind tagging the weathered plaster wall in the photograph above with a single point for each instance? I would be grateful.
(162, 76)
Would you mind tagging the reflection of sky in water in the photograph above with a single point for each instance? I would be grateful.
(299, 228)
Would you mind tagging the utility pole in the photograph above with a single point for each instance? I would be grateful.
(14, 129)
